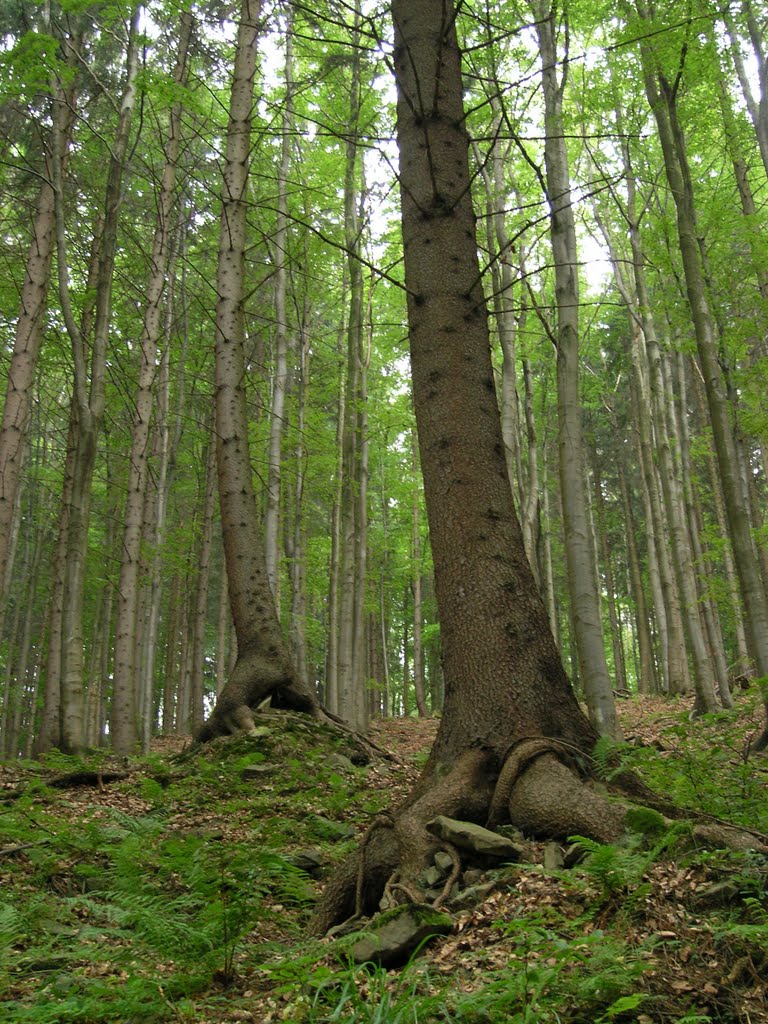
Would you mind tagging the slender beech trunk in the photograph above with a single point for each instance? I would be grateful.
(34, 297)
(168, 430)
(757, 107)
(676, 387)
(582, 572)
(617, 640)
(668, 449)
(168, 721)
(647, 392)
(662, 97)
(200, 610)
(296, 540)
(124, 726)
(280, 371)
(406, 701)
(742, 664)
(334, 574)
(89, 400)
(646, 673)
(353, 513)
(744, 188)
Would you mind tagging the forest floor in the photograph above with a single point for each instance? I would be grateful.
(178, 887)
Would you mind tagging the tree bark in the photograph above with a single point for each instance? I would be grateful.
(353, 510)
(662, 98)
(416, 580)
(503, 676)
(263, 667)
(124, 721)
(582, 569)
(34, 296)
(280, 370)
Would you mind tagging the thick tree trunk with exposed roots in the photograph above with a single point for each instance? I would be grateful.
(513, 743)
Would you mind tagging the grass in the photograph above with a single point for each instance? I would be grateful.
(172, 896)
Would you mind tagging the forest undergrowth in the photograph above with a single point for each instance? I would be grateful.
(179, 888)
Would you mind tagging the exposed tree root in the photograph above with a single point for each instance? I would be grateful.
(515, 762)
(380, 860)
(549, 801)
(452, 878)
(544, 798)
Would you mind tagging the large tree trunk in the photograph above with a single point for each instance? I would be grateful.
(504, 681)
(263, 667)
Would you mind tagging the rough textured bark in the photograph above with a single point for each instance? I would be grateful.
(263, 667)
(504, 680)
(416, 585)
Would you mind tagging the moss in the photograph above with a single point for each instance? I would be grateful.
(422, 913)
(645, 821)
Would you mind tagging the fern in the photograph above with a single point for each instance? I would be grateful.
(617, 870)
(163, 924)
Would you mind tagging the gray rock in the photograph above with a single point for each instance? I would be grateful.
(719, 893)
(510, 832)
(393, 936)
(444, 861)
(574, 855)
(342, 762)
(331, 830)
(432, 876)
(258, 771)
(553, 857)
(310, 860)
(466, 898)
(467, 836)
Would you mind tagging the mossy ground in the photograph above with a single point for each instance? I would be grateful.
(172, 894)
